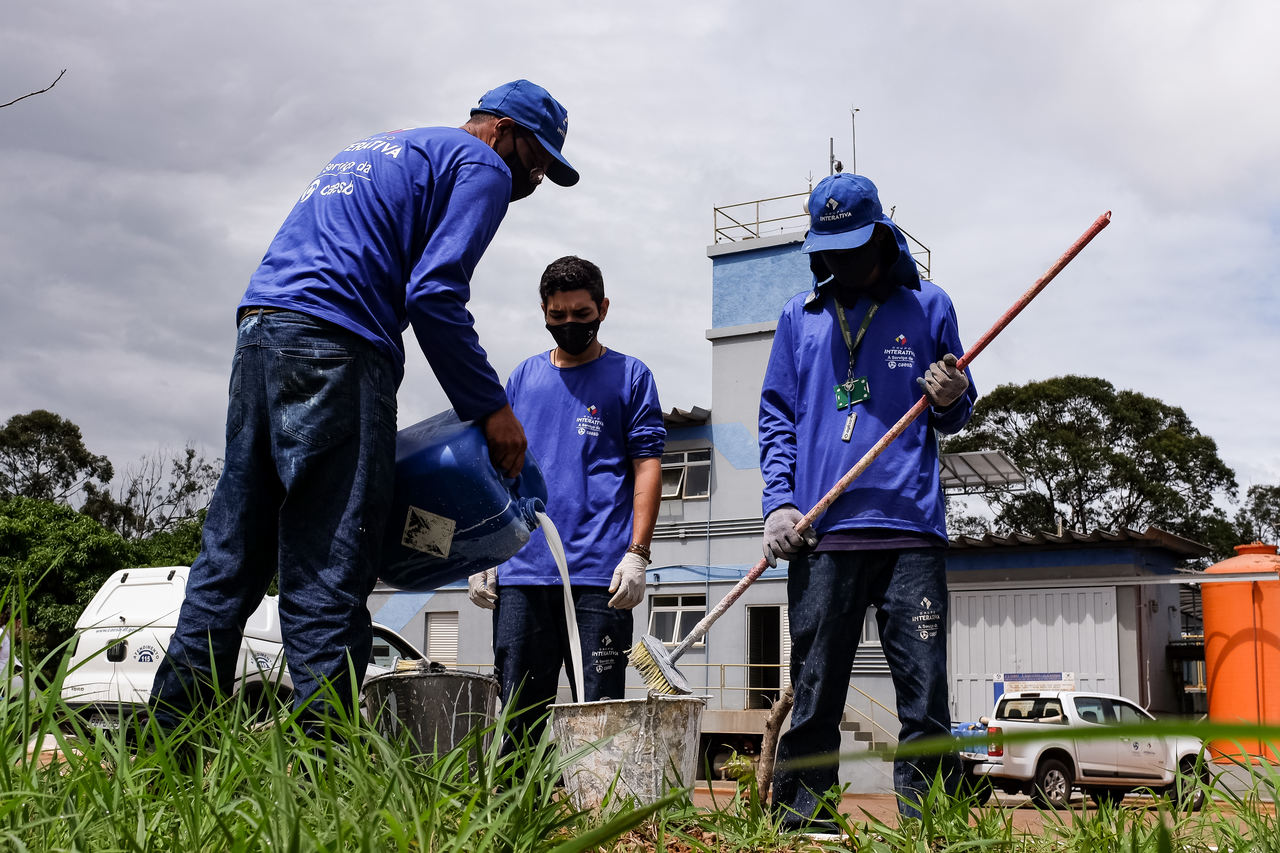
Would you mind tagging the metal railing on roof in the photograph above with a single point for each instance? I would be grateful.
(768, 217)
(750, 220)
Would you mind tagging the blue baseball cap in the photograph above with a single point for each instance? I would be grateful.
(843, 212)
(532, 107)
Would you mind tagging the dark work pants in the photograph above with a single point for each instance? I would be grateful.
(305, 491)
(828, 594)
(531, 644)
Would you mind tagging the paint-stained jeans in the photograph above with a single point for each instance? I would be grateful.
(828, 594)
(304, 492)
(531, 644)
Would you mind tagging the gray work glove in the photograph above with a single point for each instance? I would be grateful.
(628, 582)
(482, 589)
(781, 538)
(944, 382)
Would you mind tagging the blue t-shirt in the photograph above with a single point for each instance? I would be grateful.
(585, 425)
(801, 452)
(388, 235)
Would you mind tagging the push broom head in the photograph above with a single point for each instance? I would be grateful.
(650, 657)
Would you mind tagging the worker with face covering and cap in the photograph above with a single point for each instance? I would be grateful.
(849, 358)
(385, 237)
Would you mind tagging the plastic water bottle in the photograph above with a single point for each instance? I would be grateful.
(453, 513)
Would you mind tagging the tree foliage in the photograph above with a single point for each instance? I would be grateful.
(1098, 457)
(1259, 516)
(157, 495)
(43, 456)
(53, 559)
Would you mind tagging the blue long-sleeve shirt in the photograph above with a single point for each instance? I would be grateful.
(388, 235)
(586, 426)
(801, 452)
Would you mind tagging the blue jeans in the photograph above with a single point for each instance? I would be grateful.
(531, 643)
(828, 594)
(304, 495)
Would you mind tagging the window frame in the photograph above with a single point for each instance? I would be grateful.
(679, 460)
(687, 604)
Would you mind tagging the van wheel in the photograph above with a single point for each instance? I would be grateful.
(1053, 784)
(263, 704)
(1107, 796)
(976, 787)
(1191, 787)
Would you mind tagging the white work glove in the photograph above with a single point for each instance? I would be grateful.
(628, 582)
(944, 382)
(482, 589)
(781, 538)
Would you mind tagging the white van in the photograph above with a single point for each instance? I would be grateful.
(124, 631)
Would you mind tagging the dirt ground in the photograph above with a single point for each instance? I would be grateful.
(884, 807)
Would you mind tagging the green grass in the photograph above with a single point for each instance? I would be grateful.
(220, 783)
(225, 783)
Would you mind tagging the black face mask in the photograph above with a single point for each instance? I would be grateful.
(574, 338)
(521, 185)
(855, 273)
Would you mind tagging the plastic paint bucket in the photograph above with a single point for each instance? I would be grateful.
(452, 513)
(639, 748)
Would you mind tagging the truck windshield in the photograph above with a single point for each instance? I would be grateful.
(1039, 709)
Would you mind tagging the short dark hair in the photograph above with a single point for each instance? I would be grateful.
(572, 273)
(481, 116)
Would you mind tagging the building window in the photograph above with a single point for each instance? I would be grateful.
(686, 475)
(442, 637)
(672, 617)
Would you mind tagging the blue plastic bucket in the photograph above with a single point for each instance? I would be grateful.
(453, 513)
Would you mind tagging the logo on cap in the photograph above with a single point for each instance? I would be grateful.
(832, 204)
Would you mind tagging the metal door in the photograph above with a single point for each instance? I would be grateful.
(1029, 630)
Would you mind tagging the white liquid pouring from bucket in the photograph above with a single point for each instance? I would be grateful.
(570, 613)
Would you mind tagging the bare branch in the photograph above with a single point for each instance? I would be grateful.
(37, 92)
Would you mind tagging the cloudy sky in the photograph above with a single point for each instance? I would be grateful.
(141, 192)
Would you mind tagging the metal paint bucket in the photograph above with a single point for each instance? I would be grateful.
(639, 748)
(437, 707)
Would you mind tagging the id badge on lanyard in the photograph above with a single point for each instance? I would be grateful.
(855, 389)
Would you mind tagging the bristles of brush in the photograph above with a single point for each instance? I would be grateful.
(649, 670)
(659, 674)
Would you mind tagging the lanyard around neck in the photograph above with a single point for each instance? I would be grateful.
(851, 343)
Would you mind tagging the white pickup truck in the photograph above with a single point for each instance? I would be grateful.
(1105, 769)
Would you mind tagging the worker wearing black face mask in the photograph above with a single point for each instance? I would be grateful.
(847, 359)
(595, 426)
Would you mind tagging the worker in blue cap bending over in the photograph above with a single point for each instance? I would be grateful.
(386, 236)
(849, 359)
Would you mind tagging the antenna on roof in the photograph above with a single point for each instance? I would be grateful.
(853, 127)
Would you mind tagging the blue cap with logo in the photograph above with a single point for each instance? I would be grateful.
(532, 107)
(843, 212)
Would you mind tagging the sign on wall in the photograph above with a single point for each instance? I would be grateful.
(1015, 682)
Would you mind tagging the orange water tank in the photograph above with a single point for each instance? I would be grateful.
(1242, 648)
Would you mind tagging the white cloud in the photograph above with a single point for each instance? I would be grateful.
(141, 192)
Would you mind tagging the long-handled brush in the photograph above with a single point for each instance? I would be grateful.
(658, 666)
